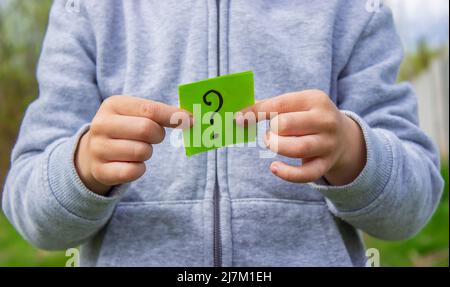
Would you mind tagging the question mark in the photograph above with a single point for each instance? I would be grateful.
(209, 103)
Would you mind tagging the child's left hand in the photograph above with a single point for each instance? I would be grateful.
(309, 126)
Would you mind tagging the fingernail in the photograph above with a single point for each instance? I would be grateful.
(240, 120)
(267, 138)
(274, 168)
(186, 123)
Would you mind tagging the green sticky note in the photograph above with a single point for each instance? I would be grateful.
(213, 103)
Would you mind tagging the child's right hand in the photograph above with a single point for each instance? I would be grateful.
(120, 139)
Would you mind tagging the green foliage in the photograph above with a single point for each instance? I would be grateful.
(417, 62)
(22, 26)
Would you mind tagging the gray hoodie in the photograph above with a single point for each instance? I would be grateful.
(224, 207)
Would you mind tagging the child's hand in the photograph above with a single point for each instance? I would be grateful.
(120, 139)
(309, 126)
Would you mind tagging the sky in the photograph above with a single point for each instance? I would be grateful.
(421, 19)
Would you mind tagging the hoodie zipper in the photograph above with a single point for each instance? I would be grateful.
(217, 240)
(217, 235)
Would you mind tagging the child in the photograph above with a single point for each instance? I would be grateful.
(92, 166)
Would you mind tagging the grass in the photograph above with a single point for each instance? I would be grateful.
(428, 248)
(14, 251)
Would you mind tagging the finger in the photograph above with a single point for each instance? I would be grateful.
(122, 150)
(297, 147)
(114, 173)
(286, 103)
(296, 124)
(132, 128)
(138, 107)
(308, 172)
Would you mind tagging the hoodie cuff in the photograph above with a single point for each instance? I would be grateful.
(371, 182)
(69, 190)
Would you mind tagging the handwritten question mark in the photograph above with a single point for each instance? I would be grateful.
(209, 103)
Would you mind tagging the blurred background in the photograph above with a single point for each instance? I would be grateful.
(423, 26)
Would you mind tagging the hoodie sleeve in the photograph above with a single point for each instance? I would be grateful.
(400, 186)
(43, 196)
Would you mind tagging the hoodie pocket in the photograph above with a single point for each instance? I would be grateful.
(154, 234)
(285, 233)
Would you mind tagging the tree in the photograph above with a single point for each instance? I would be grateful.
(22, 27)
